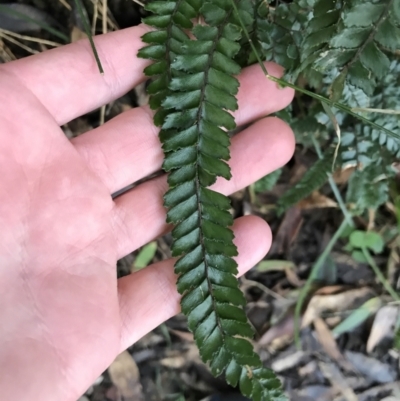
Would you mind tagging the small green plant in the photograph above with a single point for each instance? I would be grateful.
(361, 243)
(346, 50)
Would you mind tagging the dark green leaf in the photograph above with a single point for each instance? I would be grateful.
(374, 60)
(364, 14)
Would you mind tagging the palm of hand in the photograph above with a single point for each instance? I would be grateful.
(66, 314)
(59, 243)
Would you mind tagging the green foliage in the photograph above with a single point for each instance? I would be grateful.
(347, 50)
(352, 36)
(280, 32)
(358, 316)
(368, 239)
(145, 256)
(361, 243)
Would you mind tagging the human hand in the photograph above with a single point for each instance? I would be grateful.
(64, 315)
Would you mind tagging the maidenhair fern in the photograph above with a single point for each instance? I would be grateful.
(345, 49)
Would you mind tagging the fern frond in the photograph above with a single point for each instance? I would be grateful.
(313, 179)
(368, 187)
(280, 32)
(387, 98)
(194, 90)
(352, 36)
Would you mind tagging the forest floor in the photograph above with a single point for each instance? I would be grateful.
(348, 345)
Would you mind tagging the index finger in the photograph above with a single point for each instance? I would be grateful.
(67, 80)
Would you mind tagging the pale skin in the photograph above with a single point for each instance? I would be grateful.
(64, 315)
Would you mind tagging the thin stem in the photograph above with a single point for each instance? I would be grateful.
(334, 188)
(65, 4)
(30, 38)
(313, 274)
(381, 111)
(338, 196)
(17, 42)
(89, 34)
(379, 274)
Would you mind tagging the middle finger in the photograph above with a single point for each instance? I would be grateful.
(127, 149)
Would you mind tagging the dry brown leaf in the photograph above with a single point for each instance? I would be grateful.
(289, 361)
(283, 330)
(329, 344)
(308, 369)
(393, 261)
(331, 289)
(316, 200)
(335, 377)
(179, 359)
(293, 278)
(298, 171)
(377, 392)
(124, 373)
(174, 362)
(183, 335)
(334, 303)
(77, 34)
(142, 98)
(372, 368)
(383, 326)
(287, 231)
(341, 176)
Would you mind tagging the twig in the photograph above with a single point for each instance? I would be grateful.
(18, 43)
(334, 188)
(95, 16)
(30, 38)
(262, 287)
(65, 4)
(104, 12)
(138, 2)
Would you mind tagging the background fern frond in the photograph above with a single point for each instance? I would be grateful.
(354, 37)
(280, 32)
(313, 179)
